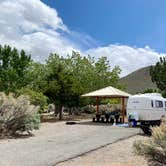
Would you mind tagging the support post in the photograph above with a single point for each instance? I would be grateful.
(97, 105)
(123, 109)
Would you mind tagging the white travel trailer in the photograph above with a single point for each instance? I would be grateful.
(146, 108)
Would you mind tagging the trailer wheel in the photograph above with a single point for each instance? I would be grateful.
(146, 126)
(146, 129)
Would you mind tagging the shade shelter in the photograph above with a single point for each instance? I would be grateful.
(109, 92)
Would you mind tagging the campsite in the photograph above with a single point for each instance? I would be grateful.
(82, 83)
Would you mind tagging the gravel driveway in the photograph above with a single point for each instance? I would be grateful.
(117, 154)
(56, 142)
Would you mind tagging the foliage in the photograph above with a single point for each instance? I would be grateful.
(17, 115)
(158, 75)
(67, 78)
(150, 90)
(154, 148)
(88, 109)
(90, 74)
(36, 75)
(110, 101)
(51, 107)
(59, 82)
(36, 98)
(62, 79)
(13, 68)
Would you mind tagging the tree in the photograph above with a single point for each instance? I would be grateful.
(158, 75)
(89, 74)
(104, 75)
(36, 76)
(13, 68)
(150, 90)
(59, 82)
(65, 79)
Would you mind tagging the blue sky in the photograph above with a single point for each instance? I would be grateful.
(130, 22)
(130, 33)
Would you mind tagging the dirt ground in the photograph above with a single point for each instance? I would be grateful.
(116, 154)
(49, 117)
(57, 142)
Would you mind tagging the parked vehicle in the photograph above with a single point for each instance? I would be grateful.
(148, 109)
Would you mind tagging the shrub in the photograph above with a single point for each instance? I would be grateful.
(155, 147)
(36, 98)
(51, 108)
(88, 109)
(17, 115)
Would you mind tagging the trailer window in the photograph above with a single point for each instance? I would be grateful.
(159, 104)
(152, 103)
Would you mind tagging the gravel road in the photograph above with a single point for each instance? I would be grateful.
(56, 142)
(116, 154)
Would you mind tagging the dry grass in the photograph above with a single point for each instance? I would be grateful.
(154, 149)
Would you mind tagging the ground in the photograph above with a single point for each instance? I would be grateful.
(116, 154)
(57, 142)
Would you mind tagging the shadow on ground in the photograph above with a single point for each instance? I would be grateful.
(94, 123)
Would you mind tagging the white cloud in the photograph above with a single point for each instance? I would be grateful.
(128, 58)
(33, 26)
(37, 28)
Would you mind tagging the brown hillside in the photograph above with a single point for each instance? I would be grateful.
(138, 81)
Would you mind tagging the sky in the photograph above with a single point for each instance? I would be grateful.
(131, 33)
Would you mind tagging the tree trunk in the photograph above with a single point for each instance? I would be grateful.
(60, 112)
(56, 110)
(70, 110)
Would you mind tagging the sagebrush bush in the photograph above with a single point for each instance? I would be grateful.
(155, 147)
(88, 109)
(36, 98)
(17, 115)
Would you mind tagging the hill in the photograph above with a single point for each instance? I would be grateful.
(138, 81)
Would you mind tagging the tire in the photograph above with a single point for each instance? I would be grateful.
(146, 129)
(145, 126)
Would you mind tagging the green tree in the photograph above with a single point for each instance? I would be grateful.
(36, 76)
(150, 90)
(104, 76)
(158, 75)
(59, 82)
(89, 74)
(65, 79)
(13, 68)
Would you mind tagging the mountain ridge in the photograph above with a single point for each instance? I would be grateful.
(138, 81)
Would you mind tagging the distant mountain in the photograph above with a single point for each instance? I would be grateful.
(138, 81)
